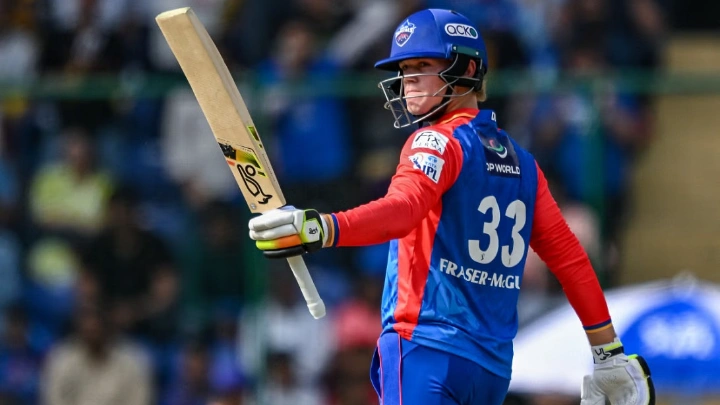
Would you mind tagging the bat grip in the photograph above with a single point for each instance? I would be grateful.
(315, 304)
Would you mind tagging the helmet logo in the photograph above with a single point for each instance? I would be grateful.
(404, 32)
(461, 30)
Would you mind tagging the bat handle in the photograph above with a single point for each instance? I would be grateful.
(307, 286)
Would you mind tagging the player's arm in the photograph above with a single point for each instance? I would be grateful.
(413, 192)
(422, 176)
(560, 249)
(617, 376)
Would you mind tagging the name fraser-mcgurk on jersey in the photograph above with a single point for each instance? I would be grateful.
(480, 277)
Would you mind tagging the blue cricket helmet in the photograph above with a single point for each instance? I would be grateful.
(435, 33)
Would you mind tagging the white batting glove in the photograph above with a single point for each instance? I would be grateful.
(288, 231)
(624, 380)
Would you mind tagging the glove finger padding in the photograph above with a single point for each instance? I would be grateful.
(274, 233)
(591, 395)
(625, 380)
(273, 219)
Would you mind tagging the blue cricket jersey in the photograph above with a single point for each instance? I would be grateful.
(474, 251)
(460, 213)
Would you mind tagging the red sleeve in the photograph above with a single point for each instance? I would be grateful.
(430, 162)
(560, 249)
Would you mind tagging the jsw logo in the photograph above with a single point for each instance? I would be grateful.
(461, 30)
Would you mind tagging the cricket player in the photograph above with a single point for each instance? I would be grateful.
(461, 211)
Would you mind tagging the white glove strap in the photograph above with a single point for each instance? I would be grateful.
(326, 231)
(603, 353)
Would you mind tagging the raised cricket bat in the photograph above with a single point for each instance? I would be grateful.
(230, 121)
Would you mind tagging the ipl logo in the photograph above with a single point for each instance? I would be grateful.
(403, 34)
(429, 164)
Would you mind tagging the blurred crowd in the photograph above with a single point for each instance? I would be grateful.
(126, 274)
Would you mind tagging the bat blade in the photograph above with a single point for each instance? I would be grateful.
(231, 124)
(223, 107)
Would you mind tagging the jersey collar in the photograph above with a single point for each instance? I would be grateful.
(459, 113)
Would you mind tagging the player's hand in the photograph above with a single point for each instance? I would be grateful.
(288, 231)
(624, 380)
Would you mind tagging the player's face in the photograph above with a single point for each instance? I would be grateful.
(423, 92)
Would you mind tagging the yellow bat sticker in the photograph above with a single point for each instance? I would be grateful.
(255, 135)
(244, 155)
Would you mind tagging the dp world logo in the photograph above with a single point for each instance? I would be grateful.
(404, 33)
(461, 30)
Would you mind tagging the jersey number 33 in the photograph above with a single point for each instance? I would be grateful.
(511, 254)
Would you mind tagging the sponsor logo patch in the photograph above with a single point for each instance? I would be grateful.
(430, 140)
(429, 164)
(403, 34)
(461, 30)
(500, 157)
(497, 148)
(506, 170)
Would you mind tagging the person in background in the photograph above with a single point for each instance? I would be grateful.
(94, 366)
(20, 360)
(134, 271)
(70, 197)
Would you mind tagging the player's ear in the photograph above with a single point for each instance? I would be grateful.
(471, 68)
